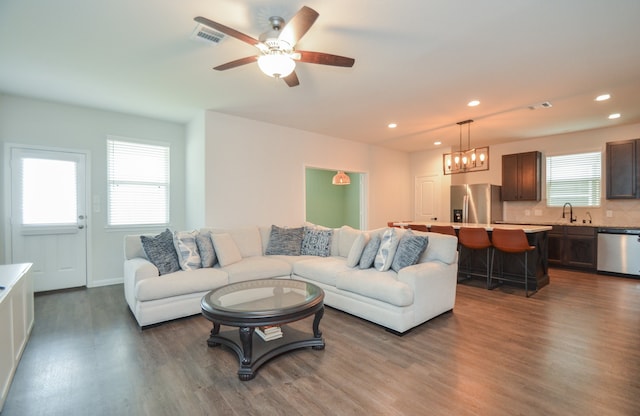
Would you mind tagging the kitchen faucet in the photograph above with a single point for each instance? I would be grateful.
(590, 219)
(571, 219)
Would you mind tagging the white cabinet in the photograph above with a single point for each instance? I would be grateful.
(16, 320)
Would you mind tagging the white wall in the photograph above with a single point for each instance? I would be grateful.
(195, 172)
(255, 173)
(625, 212)
(34, 122)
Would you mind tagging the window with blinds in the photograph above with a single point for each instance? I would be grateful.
(138, 183)
(574, 178)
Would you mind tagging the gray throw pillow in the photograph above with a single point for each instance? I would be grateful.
(316, 242)
(205, 247)
(285, 241)
(369, 252)
(409, 250)
(161, 252)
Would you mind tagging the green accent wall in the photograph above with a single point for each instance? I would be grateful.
(331, 205)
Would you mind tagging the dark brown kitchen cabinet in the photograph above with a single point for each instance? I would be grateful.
(521, 176)
(623, 160)
(573, 246)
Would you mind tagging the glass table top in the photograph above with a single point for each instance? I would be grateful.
(263, 295)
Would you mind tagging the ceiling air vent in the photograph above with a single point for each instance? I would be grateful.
(545, 104)
(206, 34)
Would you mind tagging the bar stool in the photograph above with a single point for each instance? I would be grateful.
(443, 229)
(511, 242)
(418, 227)
(474, 239)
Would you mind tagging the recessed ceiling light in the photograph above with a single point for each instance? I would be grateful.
(437, 143)
(603, 97)
(392, 125)
(473, 103)
(614, 116)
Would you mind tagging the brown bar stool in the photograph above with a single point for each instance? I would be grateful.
(443, 229)
(511, 242)
(474, 239)
(418, 227)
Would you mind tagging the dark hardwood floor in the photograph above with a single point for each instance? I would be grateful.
(571, 349)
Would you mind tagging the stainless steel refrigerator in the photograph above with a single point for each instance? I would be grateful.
(476, 204)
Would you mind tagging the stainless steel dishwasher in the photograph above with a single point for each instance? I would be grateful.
(619, 250)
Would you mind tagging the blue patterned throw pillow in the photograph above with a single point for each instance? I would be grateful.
(409, 250)
(316, 242)
(161, 252)
(388, 246)
(187, 249)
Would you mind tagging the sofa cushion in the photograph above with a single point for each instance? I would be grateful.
(248, 241)
(356, 250)
(388, 246)
(316, 242)
(348, 236)
(187, 249)
(180, 283)
(410, 248)
(369, 252)
(321, 269)
(257, 267)
(205, 248)
(226, 249)
(161, 252)
(383, 286)
(441, 247)
(286, 241)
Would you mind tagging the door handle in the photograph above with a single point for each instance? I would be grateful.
(81, 226)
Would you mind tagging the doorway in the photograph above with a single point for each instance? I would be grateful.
(331, 205)
(48, 216)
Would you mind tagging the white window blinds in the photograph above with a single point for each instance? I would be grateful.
(574, 178)
(138, 182)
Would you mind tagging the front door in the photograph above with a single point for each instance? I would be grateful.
(48, 218)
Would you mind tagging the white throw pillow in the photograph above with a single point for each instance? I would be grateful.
(348, 236)
(356, 250)
(226, 249)
(187, 249)
(387, 250)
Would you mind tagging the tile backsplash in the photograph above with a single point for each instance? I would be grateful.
(614, 213)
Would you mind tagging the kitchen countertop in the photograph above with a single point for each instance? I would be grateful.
(576, 224)
(528, 228)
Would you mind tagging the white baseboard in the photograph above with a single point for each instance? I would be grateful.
(106, 282)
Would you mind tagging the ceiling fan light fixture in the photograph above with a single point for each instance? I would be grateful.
(276, 64)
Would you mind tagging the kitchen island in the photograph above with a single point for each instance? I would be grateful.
(538, 264)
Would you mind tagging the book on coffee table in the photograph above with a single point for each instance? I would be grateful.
(269, 333)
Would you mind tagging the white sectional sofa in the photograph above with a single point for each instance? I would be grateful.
(397, 300)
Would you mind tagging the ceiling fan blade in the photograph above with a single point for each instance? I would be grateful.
(324, 59)
(292, 79)
(236, 63)
(298, 25)
(227, 31)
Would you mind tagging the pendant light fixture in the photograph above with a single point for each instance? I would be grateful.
(466, 159)
(341, 178)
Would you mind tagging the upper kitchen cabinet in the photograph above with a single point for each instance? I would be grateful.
(521, 176)
(623, 158)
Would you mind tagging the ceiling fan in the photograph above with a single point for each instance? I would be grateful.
(277, 56)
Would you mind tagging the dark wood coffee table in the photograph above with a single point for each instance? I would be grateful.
(257, 303)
